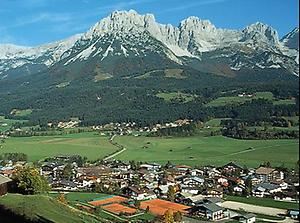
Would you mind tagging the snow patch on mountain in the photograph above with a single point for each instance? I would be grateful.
(126, 33)
(109, 49)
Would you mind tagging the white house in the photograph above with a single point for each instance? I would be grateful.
(248, 218)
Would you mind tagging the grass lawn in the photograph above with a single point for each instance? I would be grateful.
(88, 144)
(266, 202)
(221, 101)
(35, 206)
(217, 150)
(80, 196)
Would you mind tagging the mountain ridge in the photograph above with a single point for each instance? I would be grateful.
(193, 39)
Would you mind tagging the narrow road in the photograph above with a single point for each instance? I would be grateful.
(123, 149)
(255, 149)
(115, 154)
(286, 220)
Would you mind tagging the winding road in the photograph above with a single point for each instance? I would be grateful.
(118, 146)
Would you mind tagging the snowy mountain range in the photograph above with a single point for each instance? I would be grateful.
(139, 43)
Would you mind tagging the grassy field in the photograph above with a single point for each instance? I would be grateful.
(221, 101)
(5, 124)
(21, 113)
(80, 196)
(179, 96)
(74, 198)
(215, 150)
(88, 144)
(196, 150)
(266, 202)
(63, 84)
(35, 206)
(174, 73)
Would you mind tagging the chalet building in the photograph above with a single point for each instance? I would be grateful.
(214, 192)
(183, 168)
(232, 168)
(63, 184)
(248, 218)
(4, 184)
(151, 167)
(294, 214)
(192, 182)
(210, 211)
(265, 190)
(96, 172)
(139, 193)
(265, 174)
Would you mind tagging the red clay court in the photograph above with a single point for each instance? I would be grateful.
(110, 200)
(118, 208)
(159, 207)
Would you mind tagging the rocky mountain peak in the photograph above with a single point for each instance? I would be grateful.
(260, 33)
(291, 40)
(121, 21)
(124, 34)
(194, 23)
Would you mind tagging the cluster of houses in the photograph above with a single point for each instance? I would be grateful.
(72, 123)
(130, 127)
(244, 95)
(202, 189)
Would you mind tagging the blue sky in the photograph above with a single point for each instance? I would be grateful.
(34, 22)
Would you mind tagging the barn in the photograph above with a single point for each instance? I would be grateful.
(4, 183)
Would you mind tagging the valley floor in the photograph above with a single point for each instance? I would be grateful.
(196, 150)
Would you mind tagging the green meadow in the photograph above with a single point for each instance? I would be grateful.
(222, 101)
(80, 196)
(217, 150)
(179, 96)
(44, 209)
(90, 145)
(6, 124)
(196, 150)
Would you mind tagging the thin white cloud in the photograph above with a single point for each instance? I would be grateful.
(67, 22)
(188, 6)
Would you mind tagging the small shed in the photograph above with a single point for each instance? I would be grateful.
(4, 184)
(248, 218)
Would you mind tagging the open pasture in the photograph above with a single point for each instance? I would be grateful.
(215, 150)
(80, 196)
(233, 100)
(89, 145)
(196, 150)
(41, 208)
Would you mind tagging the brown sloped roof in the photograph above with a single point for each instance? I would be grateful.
(264, 170)
(4, 179)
